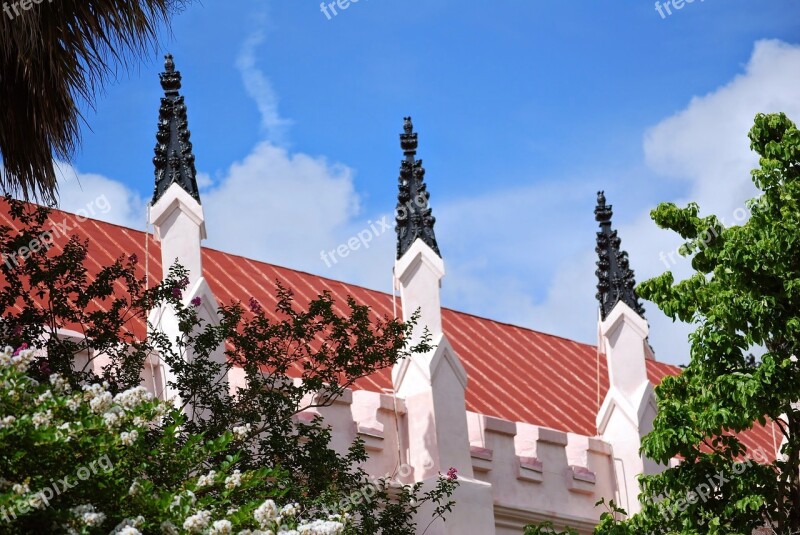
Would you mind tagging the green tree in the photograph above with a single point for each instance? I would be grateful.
(45, 291)
(744, 294)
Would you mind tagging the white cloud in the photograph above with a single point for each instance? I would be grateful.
(282, 207)
(500, 251)
(204, 181)
(706, 143)
(260, 89)
(98, 197)
(286, 207)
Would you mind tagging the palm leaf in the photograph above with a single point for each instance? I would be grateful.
(54, 56)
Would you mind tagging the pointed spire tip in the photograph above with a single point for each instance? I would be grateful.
(174, 159)
(615, 278)
(414, 218)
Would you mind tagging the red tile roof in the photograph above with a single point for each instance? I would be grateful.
(515, 373)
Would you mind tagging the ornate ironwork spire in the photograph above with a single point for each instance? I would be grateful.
(615, 280)
(413, 216)
(174, 160)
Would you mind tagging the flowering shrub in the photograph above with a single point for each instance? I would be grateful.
(86, 461)
(178, 469)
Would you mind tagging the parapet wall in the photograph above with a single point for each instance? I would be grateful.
(536, 473)
(539, 473)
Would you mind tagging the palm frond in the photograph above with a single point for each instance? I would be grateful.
(53, 56)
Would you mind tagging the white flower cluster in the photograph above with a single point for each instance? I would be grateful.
(59, 383)
(20, 359)
(266, 514)
(234, 480)
(44, 398)
(132, 398)
(73, 404)
(198, 522)
(128, 439)
(135, 488)
(206, 480)
(129, 526)
(98, 396)
(221, 527)
(8, 421)
(113, 417)
(321, 527)
(115, 408)
(101, 402)
(241, 432)
(178, 499)
(88, 516)
(41, 419)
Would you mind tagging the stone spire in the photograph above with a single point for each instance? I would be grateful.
(174, 160)
(615, 280)
(413, 217)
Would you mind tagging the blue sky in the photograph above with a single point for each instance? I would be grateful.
(524, 109)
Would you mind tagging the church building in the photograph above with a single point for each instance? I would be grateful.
(539, 427)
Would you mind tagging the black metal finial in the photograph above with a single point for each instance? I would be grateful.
(174, 160)
(170, 78)
(413, 216)
(615, 278)
(408, 139)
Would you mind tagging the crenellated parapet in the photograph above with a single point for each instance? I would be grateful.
(540, 473)
(534, 473)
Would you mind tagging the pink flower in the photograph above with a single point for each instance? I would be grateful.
(133, 259)
(176, 293)
(451, 474)
(23, 347)
(196, 302)
(183, 283)
(255, 306)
